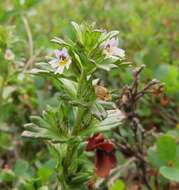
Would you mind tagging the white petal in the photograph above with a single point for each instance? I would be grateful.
(57, 53)
(64, 49)
(114, 42)
(119, 52)
(68, 64)
(53, 61)
(60, 70)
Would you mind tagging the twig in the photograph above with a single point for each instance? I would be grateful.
(128, 103)
(116, 173)
(29, 35)
(32, 59)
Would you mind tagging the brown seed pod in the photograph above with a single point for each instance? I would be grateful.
(102, 93)
(158, 90)
(164, 101)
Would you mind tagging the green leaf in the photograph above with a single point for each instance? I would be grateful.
(21, 168)
(43, 188)
(154, 159)
(78, 31)
(70, 86)
(60, 41)
(62, 84)
(118, 185)
(49, 126)
(107, 64)
(98, 111)
(109, 35)
(169, 74)
(114, 118)
(45, 173)
(166, 148)
(170, 173)
(6, 175)
(43, 133)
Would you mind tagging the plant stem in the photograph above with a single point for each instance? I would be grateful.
(81, 111)
(2, 89)
(29, 35)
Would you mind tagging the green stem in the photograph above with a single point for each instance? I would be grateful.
(81, 111)
(80, 115)
(2, 89)
(29, 35)
(72, 146)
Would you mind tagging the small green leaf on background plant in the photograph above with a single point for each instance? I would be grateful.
(22, 169)
(43, 188)
(167, 148)
(170, 173)
(118, 185)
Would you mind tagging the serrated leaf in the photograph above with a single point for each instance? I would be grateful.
(70, 86)
(98, 111)
(45, 134)
(78, 31)
(114, 119)
(106, 67)
(60, 41)
(109, 35)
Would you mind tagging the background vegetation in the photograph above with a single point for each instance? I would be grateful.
(149, 34)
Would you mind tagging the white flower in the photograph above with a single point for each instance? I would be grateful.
(110, 49)
(61, 61)
(9, 55)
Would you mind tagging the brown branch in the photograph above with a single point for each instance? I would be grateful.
(128, 103)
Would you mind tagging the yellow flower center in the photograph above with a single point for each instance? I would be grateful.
(63, 61)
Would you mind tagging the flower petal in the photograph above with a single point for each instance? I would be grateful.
(113, 42)
(60, 70)
(119, 52)
(68, 64)
(107, 146)
(95, 142)
(102, 163)
(57, 53)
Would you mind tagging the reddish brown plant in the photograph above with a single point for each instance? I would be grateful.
(105, 158)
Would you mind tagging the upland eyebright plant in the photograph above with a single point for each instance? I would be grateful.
(75, 126)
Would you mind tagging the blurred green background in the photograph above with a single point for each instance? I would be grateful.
(149, 33)
(148, 29)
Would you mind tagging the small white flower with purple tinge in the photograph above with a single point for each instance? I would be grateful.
(110, 49)
(61, 61)
(9, 55)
